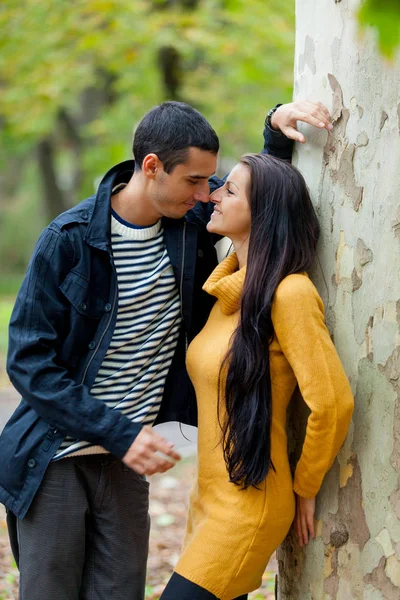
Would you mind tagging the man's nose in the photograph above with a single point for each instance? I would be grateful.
(202, 196)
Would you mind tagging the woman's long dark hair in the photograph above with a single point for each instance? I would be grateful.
(283, 238)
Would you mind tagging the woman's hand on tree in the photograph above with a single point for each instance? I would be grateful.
(304, 519)
(285, 118)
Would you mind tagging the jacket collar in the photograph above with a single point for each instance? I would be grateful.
(98, 233)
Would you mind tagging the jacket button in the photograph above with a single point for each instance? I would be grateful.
(200, 253)
(92, 345)
(55, 431)
(83, 306)
(107, 307)
(84, 215)
(31, 463)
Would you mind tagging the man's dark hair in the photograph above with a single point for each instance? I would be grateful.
(169, 130)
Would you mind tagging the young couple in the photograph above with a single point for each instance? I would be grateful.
(116, 290)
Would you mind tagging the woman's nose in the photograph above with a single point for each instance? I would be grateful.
(216, 196)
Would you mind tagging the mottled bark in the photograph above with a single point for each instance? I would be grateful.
(353, 175)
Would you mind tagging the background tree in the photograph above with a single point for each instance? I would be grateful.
(76, 76)
(353, 174)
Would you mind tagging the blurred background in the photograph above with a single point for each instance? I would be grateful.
(75, 78)
(77, 75)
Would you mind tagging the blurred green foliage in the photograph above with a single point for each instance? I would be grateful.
(384, 17)
(76, 76)
(5, 314)
(234, 53)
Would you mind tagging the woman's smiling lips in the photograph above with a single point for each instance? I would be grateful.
(216, 212)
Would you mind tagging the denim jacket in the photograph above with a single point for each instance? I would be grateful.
(62, 325)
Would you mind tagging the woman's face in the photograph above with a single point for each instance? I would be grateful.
(231, 216)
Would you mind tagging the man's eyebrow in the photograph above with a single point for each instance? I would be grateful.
(198, 176)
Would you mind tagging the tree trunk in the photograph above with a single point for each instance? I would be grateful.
(53, 197)
(353, 175)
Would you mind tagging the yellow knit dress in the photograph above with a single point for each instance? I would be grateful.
(231, 533)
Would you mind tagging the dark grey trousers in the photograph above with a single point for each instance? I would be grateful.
(85, 536)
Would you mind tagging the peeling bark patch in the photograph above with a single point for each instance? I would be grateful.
(339, 536)
(383, 538)
(345, 474)
(391, 371)
(360, 111)
(349, 523)
(338, 153)
(368, 339)
(308, 57)
(331, 585)
(395, 502)
(337, 105)
(289, 561)
(356, 281)
(384, 118)
(345, 176)
(350, 517)
(362, 140)
(396, 224)
(364, 254)
(392, 570)
(379, 579)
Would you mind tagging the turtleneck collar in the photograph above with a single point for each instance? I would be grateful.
(226, 284)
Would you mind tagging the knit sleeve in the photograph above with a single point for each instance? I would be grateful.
(298, 319)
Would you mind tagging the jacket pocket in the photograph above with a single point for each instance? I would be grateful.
(78, 292)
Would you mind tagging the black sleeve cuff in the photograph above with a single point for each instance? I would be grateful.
(276, 143)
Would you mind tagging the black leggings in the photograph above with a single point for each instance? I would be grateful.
(180, 588)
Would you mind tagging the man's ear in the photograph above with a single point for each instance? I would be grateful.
(151, 166)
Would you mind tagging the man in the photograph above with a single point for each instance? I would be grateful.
(98, 335)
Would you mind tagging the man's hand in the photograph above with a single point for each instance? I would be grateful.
(286, 116)
(304, 519)
(143, 456)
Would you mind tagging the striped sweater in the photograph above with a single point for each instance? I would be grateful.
(132, 376)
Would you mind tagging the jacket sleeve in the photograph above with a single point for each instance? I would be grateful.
(32, 364)
(276, 143)
(299, 324)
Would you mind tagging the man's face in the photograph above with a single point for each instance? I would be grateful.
(173, 194)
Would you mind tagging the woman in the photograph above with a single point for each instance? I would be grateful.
(265, 334)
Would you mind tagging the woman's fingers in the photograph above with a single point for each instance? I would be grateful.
(315, 119)
(287, 116)
(310, 524)
(304, 529)
(293, 134)
(304, 519)
(314, 113)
